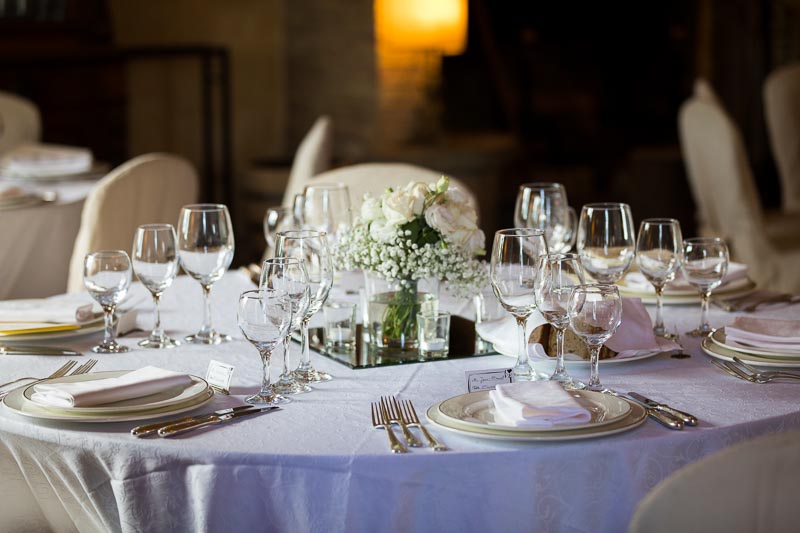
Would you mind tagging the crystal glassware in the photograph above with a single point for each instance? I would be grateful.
(705, 263)
(107, 276)
(558, 275)
(548, 210)
(513, 273)
(264, 317)
(155, 262)
(606, 241)
(205, 248)
(277, 219)
(595, 313)
(659, 248)
(311, 247)
(326, 207)
(289, 275)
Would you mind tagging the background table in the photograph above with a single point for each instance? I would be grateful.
(318, 465)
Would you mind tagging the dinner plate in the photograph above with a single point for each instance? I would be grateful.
(726, 354)
(737, 287)
(98, 170)
(585, 362)
(719, 337)
(476, 410)
(86, 328)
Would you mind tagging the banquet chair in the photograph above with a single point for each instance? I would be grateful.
(19, 121)
(749, 487)
(782, 112)
(724, 189)
(312, 157)
(148, 189)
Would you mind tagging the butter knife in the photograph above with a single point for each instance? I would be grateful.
(25, 349)
(688, 419)
(175, 429)
(149, 429)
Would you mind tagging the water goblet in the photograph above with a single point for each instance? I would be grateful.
(264, 317)
(155, 262)
(705, 262)
(659, 248)
(311, 247)
(595, 313)
(326, 207)
(205, 248)
(277, 219)
(107, 276)
(513, 273)
(606, 241)
(289, 275)
(547, 209)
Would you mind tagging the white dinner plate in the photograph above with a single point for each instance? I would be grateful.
(612, 361)
(476, 410)
(737, 287)
(719, 337)
(97, 171)
(86, 328)
(725, 354)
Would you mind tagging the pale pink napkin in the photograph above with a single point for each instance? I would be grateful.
(536, 404)
(764, 332)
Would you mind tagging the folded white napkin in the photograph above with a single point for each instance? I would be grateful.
(765, 332)
(62, 309)
(637, 281)
(536, 404)
(142, 382)
(43, 160)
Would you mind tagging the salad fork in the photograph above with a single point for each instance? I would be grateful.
(66, 367)
(393, 410)
(411, 419)
(381, 420)
(83, 369)
(767, 375)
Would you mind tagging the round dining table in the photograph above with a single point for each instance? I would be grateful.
(317, 464)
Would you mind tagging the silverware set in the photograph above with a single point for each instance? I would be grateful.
(750, 302)
(62, 371)
(739, 369)
(660, 412)
(170, 428)
(391, 411)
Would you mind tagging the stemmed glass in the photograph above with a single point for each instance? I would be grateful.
(606, 241)
(559, 274)
(155, 262)
(547, 209)
(278, 219)
(326, 207)
(513, 274)
(311, 247)
(264, 318)
(289, 275)
(705, 262)
(107, 276)
(205, 248)
(595, 312)
(658, 254)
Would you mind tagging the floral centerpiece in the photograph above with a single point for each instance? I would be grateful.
(421, 231)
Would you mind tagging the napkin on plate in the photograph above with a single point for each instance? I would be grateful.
(43, 160)
(62, 309)
(142, 382)
(536, 404)
(765, 333)
(636, 280)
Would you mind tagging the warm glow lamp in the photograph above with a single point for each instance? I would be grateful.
(431, 25)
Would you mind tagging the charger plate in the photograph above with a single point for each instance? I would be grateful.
(737, 287)
(719, 338)
(726, 354)
(42, 334)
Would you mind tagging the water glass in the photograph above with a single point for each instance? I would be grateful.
(277, 219)
(544, 206)
(659, 248)
(326, 207)
(606, 241)
(433, 335)
(340, 326)
(107, 276)
(705, 263)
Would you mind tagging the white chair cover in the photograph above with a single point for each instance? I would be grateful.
(782, 111)
(312, 157)
(19, 121)
(749, 487)
(149, 189)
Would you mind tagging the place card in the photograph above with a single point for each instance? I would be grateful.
(488, 379)
(219, 376)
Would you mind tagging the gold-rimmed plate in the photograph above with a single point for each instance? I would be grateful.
(725, 354)
(719, 338)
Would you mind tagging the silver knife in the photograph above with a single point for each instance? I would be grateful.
(25, 349)
(175, 429)
(149, 429)
(664, 419)
(688, 419)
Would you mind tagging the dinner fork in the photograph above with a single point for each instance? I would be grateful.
(83, 369)
(768, 375)
(393, 410)
(66, 367)
(411, 419)
(381, 420)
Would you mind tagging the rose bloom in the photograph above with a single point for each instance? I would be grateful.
(417, 191)
(398, 207)
(371, 208)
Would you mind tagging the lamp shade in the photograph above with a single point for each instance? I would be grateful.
(437, 25)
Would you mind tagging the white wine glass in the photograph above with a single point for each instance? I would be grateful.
(205, 248)
(326, 207)
(548, 210)
(705, 263)
(264, 317)
(277, 219)
(107, 277)
(155, 262)
(513, 273)
(659, 248)
(595, 313)
(606, 241)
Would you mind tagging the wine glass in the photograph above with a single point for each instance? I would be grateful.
(326, 207)
(277, 219)
(606, 241)
(205, 248)
(658, 254)
(311, 247)
(705, 262)
(264, 317)
(289, 275)
(547, 210)
(107, 276)
(595, 312)
(155, 262)
(513, 273)
(559, 274)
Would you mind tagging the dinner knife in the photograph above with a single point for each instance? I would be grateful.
(149, 429)
(175, 429)
(26, 349)
(688, 419)
(665, 419)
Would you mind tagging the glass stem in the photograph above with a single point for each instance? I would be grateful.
(206, 310)
(522, 366)
(594, 359)
(286, 341)
(704, 326)
(265, 377)
(157, 332)
(559, 352)
(305, 360)
(108, 321)
(659, 327)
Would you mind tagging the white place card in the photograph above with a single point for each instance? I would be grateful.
(219, 376)
(488, 379)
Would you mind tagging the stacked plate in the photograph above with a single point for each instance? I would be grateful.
(472, 414)
(170, 402)
(718, 346)
(45, 332)
(679, 296)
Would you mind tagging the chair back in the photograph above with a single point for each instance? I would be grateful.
(782, 112)
(19, 121)
(312, 157)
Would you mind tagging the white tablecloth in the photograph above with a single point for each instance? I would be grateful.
(317, 464)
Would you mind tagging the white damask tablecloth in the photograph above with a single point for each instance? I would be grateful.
(317, 464)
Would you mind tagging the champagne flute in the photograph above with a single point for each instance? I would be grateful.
(264, 317)
(311, 247)
(548, 210)
(658, 254)
(606, 241)
(513, 274)
(107, 276)
(289, 275)
(595, 313)
(326, 207)
(705, 262)
(559, 274)
(205, 248)
(155, 262)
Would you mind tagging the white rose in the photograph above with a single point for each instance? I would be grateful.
(382, 230)
(440, 218)
(418, 191)
(457, 224)
(370, 209)
(456, 195)
(398, 208)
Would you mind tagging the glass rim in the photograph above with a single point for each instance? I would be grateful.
(605, 205)
(596, 287)
(282, 260)
(519, 232)
(437, 316)
(532, 185)
(301, 233)
(106, 253)
(702, 240)
(255, 293)
(205, 207)
(660, 221)
(328, 185)
(155, 227)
